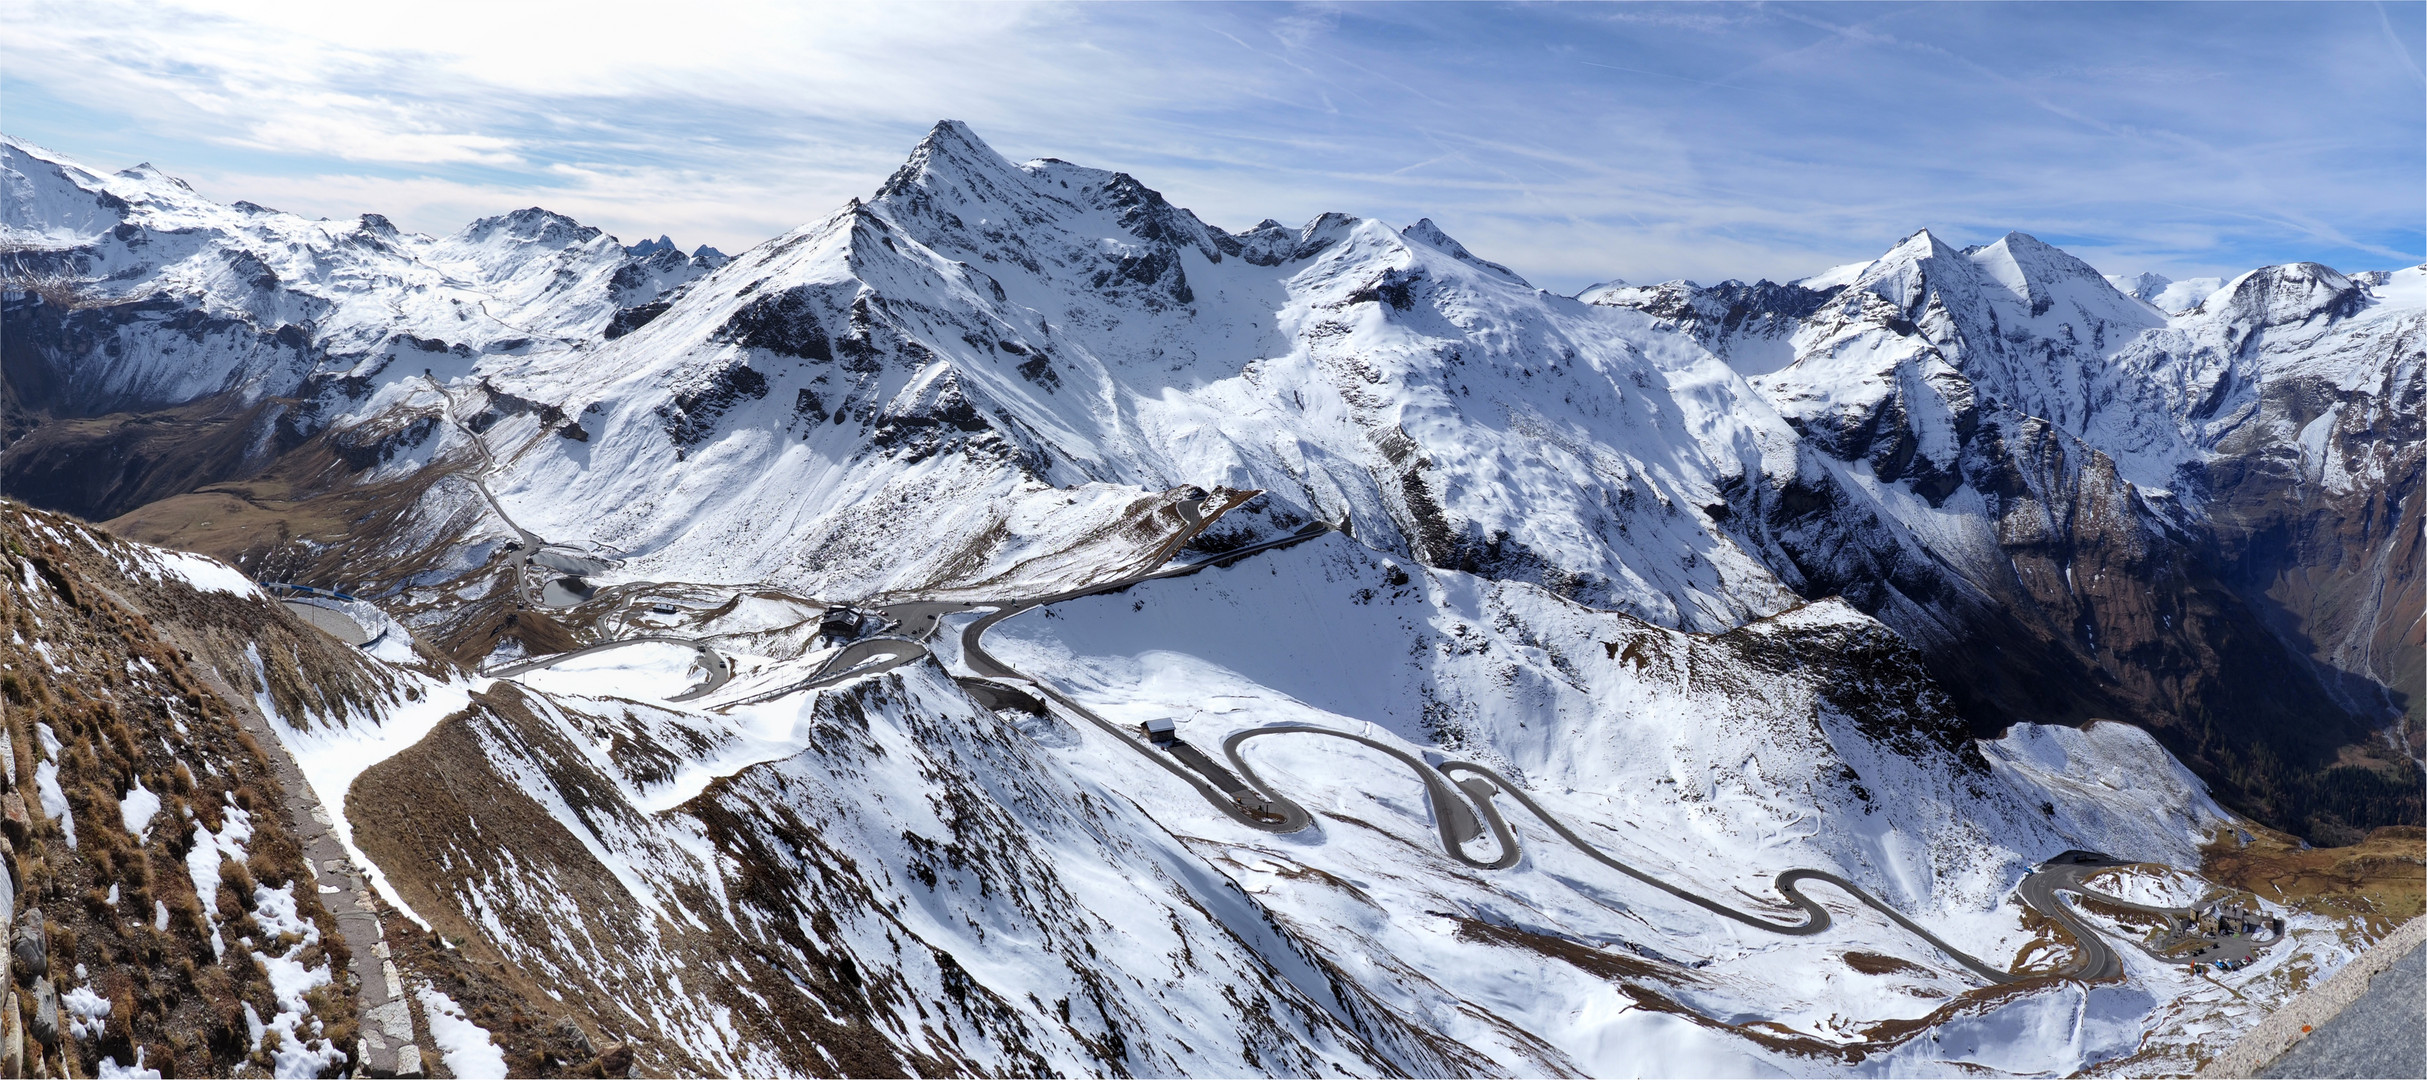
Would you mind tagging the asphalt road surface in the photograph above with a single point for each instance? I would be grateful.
(867, 656)
(330, 621)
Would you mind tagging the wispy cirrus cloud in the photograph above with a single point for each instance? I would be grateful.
(1575, 143)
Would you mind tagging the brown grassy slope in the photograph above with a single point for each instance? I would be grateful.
(2381, 880)
(121, 668)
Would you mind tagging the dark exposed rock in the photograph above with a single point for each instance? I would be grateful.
(691, 416)
(45, 1027)
(633, 318)
(783, 323)
(29, 944)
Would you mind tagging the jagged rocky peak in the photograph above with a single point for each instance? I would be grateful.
(531, 224)
(1905, 274)
(955, 193)
(954, 186)
(950, 151)
(646, 248)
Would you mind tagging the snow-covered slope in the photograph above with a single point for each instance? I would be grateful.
(2066, 474)
(1807, 739)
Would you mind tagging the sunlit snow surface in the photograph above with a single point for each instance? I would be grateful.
(651, 671)
(462, 1044)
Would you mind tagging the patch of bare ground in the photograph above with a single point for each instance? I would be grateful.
(1632, 973)
(108, 688)
(447, 826)
(1871, 963)
(2049, 948)
(2381, 881)
(2130, 918)
(498, 620)
(307, 517)
(1581, 955)
(1876, 1038)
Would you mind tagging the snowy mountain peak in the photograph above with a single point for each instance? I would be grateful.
(1424, 231)
(2289, 293)
(646, 248)
(2031, 268)
(2144, 287)
(949, 155)
(531, 224)
(151, 174)
(1903, 275)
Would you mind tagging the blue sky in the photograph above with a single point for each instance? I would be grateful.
(1575, 143)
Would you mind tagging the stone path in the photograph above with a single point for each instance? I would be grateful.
(389, 1046)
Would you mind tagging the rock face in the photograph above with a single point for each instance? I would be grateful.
(2075, 504)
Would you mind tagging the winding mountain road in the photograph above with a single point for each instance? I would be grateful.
(1460, 820)
(867, 656)
(1457, 824)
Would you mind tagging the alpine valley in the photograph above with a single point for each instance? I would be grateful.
(1012, 626)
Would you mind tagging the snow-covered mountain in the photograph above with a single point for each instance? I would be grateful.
(2141, 504)
(2164, 293)
(247, 308)
(1740, 578)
